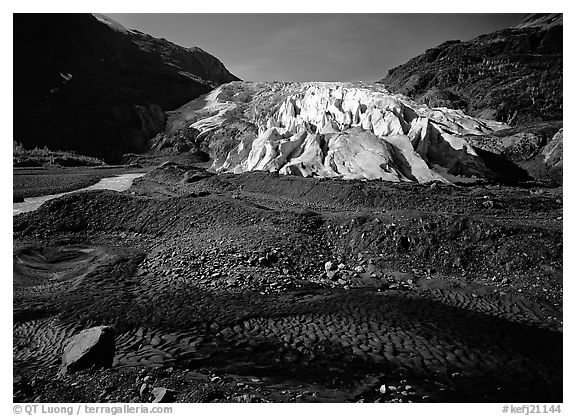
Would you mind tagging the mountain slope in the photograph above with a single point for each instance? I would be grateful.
(513, 75)
(87, 84)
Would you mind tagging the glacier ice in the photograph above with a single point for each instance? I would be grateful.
(337, 130)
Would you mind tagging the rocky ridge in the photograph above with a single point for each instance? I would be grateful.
(512, 75)
(523, 153)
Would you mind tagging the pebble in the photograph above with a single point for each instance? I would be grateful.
(383, 389)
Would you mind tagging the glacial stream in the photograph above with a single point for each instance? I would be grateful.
(116, 183)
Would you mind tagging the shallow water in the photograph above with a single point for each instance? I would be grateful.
(116, 183)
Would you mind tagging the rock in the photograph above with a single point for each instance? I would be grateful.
(167, 163)
(476, 75)
(403, 243)
(182, 147)
(328, 266)
(383, 389)
(195, 176)
(91, 347)
(553, 151)
(341, 266)
(488, 204)
(143, 388)
(246, 398)
(332, 274)
(521, 153)
(163, 395)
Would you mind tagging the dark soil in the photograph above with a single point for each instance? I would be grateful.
(219, 289)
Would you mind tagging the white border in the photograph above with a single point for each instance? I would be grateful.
(301, 6)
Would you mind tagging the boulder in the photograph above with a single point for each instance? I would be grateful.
(163, 395)
(167, 163)
(195, 176)
(91, 347)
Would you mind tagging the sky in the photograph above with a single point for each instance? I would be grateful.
(314, 47)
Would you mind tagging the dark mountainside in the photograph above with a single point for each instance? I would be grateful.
(82, 85)
(513, 75)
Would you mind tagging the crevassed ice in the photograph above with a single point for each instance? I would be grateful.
(342, 130)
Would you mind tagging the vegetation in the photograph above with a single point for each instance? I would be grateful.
(45, 157)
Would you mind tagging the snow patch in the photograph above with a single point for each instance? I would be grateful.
(111, 23)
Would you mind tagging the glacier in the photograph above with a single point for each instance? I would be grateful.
(333, 130)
